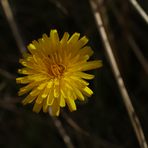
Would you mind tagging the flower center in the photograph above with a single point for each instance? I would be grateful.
(57, 69)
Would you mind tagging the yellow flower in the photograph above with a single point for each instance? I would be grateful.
(54, 72)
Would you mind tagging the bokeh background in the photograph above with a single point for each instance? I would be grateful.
(102, 120)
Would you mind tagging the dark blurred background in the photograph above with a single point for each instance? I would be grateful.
(100, 122)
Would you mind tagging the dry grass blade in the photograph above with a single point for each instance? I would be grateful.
(62, 132)
(139, 10)
(134, 47)
(125, 96)
(74, 125)
(10, 18)
(139, 55)
(6, 74)
(100, 142)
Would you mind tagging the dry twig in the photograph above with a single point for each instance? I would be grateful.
(13, 25)
(139, 10)
(74, 125)
(138, 53)
(62, 132)
(125, 96)
(6, 74)
(134, 46)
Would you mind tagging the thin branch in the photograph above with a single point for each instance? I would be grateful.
(13, 25)
(9, 103)
(139, 10)
(6, 74)
(74, 125)
(125, 96)
(61, 131)
(93, 138)
(2, 85)
(138, 53)
(59, 5)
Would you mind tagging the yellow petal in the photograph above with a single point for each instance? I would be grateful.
(56, 90)
(23, 62)
(26, 88)
(39, 99)
(42, 86)
(37, 107)
(54, 36)
(86, 51)
(45, 106)
(50, 97)
(74, 38)
(29, 63)
(55, 109)
(73, 91)
(83, 41)
(71, 104)
(46, 45)
(88, 65)
(30, 78)
(28, 99)
(65, 38)
(79, 94)
(84, 75)
(62, 93)
(45, 92)
(45, 37)
(23, 80)
(50, 83)
(78, 81)
(25, 55)
(87, 91)
(36, 44)
(26, 71)
(62, 101)
(34, 92)
(70, 100)
(31, 48)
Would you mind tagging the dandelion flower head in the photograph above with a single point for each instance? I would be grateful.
(54, 72)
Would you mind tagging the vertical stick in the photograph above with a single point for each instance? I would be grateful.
(139, 10)
(125, 96)
(62, 132)
(10, 18)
